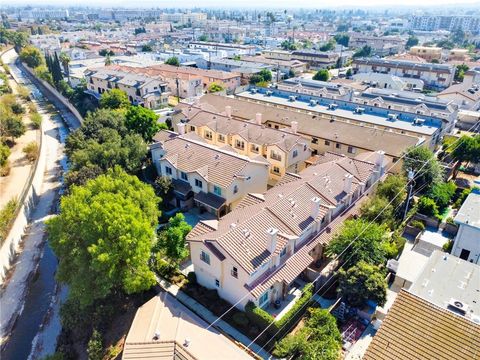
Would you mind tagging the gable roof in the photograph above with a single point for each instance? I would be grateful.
(416, 329)
(242, 233)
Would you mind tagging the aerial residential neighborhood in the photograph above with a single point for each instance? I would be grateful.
(240, 181)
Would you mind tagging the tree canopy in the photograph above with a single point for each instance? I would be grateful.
(426, 168)
(412, 41)
(31, 56)
(103, 236)
(318, 339)
(468, 149)
(114, 99)
(322, 75)
(142, 121)
(360, 240)
(172, 240)
(363, 282)
(172, 61)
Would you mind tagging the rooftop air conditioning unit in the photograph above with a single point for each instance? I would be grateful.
(458, 305)
(313, 102)
(291, 98)
(253, 91)
(268, 93)
(359, 110)
(392, 117)
(418, 121)
(332, 106)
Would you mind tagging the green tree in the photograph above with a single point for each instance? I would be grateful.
(318, 339)
(103, 236)
(359, 240)
(95, 346)
(142, 121)
(468, 149)
(114, 99)
(215, 87)
(147, 48)
(65, 60)
(365, 51)
(330, 45)
(4, 154)
(394, 189)
(43, 73)
(172, 61)
(460, 71)
(426, 168)
(412, 41)
(427, 206)
(172, 240)
(378, 209)
(322, 75)
(265, 74)
(342, 39)
(12, 126)
(203, 38)
(31, 56)
(363, 282)
(442, 193)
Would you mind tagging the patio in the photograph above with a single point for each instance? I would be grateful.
(294, 293)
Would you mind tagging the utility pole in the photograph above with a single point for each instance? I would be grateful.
(178, 90)
(410, 187)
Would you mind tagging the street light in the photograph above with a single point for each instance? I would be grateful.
(411, 176)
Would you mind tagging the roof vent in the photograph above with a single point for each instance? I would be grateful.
(233, 226)
(156, 335)
(458, 306)
(187, 342)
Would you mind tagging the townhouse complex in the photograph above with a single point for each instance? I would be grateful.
(255, 252)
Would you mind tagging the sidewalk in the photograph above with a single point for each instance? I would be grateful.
(206, 315)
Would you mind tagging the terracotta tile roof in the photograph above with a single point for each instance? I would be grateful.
(214, 165)
(363, 137)
(242, 233)
(416, 329)
(251, 132)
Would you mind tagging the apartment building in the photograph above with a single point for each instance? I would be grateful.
(437, 76)
(186, 81)
(285, 150)
(387, 81)
(428, 53)
(257, 251)
(381, 45)
(231, 49)
(142, 90)
(323, 133)
(361, 112)
(44, 14)
(314, 59)
(445, 22)
(295, 67)
(214, 179)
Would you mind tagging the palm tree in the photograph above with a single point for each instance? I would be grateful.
(65, 60)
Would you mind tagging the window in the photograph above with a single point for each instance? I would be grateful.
(217, 283)
(239, 144)
(192, 128)
(314, 141)
(276, 126)
(351, 150)
(208, 135)
(263, 299)
(276, 170)
(235, 189)
(338, 146)
(254, 148)
(275, 156)
(168, 170)
(295, 153)
(221, 138)
(198, 183)
(284, 251)
(234, 272)
(327, 143)
(217, 190)
(205, 257)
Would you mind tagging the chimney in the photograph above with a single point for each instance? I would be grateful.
(347, 185)
(272, 239)
(181, 128)
(380, 158)
(228, 111)
(315, 209)
(294, 126)
(258, 118)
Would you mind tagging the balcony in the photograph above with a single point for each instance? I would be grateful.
(294, 292)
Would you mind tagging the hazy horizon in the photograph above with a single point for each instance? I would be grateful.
(282, 4)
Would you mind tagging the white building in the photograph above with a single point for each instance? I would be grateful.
(466, 245)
